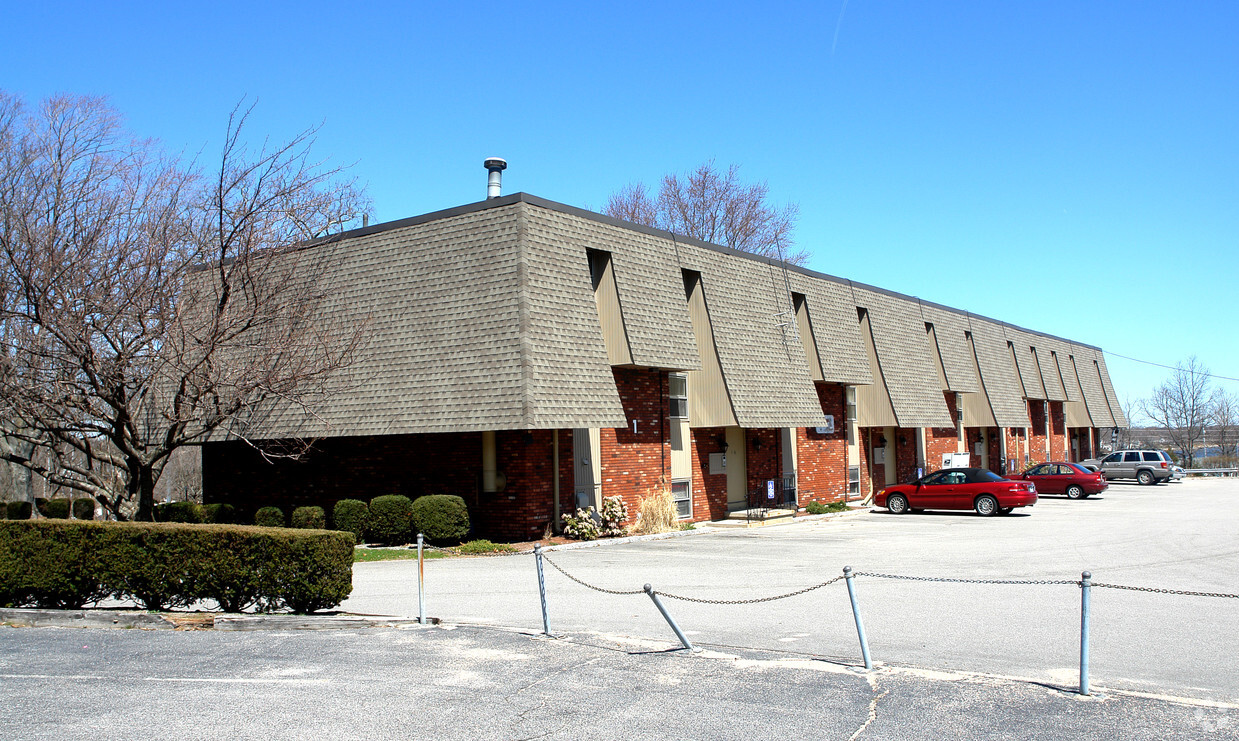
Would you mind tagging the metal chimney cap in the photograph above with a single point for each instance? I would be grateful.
(495, 163)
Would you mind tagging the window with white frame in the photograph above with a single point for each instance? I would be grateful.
(854, 480)
(679, 395)
(681, 494)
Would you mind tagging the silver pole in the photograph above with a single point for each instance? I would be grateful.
(1086, 587)
(860, 626)
(546, 623)
(666, 616)
(421, 582)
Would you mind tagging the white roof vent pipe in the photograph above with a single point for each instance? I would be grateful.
(495, 166)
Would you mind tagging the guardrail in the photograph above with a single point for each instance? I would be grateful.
(1212, 472)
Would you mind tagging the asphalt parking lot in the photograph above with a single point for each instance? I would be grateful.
(1179, 536)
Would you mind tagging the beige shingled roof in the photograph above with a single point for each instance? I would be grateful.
(1025, 363)
(475, 325)
(647, 276)
(998, 374)
(1090, 384)
(950, 327)
(1116, 409)
(832, 314)
(764, 365)
(910, 372)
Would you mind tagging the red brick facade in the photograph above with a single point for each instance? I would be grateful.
(821, 459)
(709, 490)
(636, 465)
(941, 440)
(1058, 432)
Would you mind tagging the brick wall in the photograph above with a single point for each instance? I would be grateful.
(763, 459)
(412, 465)
(635, 465)
(941, 440)
(821, 460)
(1058, 432)
(869, 437)
(709, 491)
(1037, 433)
(905, 454)
(1015, 447)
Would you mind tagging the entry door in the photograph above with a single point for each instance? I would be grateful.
(892, 467)
(737, 475)
(587, 468)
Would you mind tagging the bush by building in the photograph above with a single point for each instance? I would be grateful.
(18, 510)
(56, 509)
(84, 508)
(186, 512)
(351, 515)
(391, 519)
(442, 518)
(309, 518)
(219, 513)
(269, 517)
(68, 564)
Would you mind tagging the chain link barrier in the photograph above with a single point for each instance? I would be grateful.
(753, 601)
(967, 581)
(1166, 591)
(456, 552)
(587, 585)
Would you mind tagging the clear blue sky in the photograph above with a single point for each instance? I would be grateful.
(1070, 167)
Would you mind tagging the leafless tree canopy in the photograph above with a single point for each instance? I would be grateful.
(144, 303)
(716, 207)
(1225, 419)
(1181, 405)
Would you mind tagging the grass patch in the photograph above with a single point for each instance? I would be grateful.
(817, 508)
(484, 546)
(362, 555)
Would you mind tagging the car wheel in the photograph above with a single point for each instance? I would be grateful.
(897, 504)
(1075, 492)
(986, 505)
(1146, 478)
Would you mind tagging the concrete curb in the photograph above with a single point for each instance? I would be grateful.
(38, 618)
(41, 618)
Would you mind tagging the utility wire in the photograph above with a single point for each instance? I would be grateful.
(1168, 367)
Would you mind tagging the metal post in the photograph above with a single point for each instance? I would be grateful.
(546, 623)
(1086, 587)
(421, 579)
(679, 633)
(860, 626)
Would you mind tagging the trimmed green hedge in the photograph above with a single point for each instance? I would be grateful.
(309, 518)
(187, 512)
(351, 515)
(68, 564)
(441, 517)
(270, 517)
(57, 509)
(391, 519)
(19, 510)
(220, 513)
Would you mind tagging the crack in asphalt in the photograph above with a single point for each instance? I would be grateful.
(873, 708)
(520, 717)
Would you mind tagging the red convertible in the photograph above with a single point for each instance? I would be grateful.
(1072, 479)
(958, 488)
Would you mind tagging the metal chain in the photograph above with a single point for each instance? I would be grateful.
(968, 581)
(456, 552)
(748, 601)
(1166, 591)
(619, 592)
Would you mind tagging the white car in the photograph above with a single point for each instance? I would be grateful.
(1177, 473)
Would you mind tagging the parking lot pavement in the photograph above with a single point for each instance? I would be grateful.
(1182, 536)
(480, 683)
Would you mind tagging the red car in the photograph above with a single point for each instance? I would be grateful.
(1056, 477)
(958, 488)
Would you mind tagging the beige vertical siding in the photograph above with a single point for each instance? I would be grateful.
(709, 404)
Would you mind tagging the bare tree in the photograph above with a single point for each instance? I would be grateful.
(1181, 406)
(713, 206)
(145, 305)
(1225, 419)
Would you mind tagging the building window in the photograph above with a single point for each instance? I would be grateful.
(853, 480)
(681, 494)
(679, 395)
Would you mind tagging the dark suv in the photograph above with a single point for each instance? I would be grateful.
(1145, 466)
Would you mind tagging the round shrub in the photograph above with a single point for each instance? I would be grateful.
(84, 509)
(56, 509)
(269, 517)
(220, 513)
(19, 510)
(188, 512)
(391, 519)
(351, 516)
(309, 518)
(441, 517)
